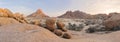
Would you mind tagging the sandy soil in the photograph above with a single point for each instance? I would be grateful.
(85, 37)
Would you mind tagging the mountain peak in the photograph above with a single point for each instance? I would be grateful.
(39, 11)
(38, 14)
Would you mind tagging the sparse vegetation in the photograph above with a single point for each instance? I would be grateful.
(75, 27)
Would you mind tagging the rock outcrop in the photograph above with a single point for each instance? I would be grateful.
(113, 22)
(7, 13)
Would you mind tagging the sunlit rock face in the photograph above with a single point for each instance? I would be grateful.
(38, 14)
(5, 12)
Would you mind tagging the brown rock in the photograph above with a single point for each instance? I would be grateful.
(58, 32)
(50, 24)
(61, 26)
(67, 36)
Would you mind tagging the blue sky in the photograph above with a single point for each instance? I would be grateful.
(59, 7)
(50, 7)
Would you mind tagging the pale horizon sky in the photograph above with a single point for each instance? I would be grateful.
(59, 7)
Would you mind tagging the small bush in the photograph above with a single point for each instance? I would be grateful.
(96, 28)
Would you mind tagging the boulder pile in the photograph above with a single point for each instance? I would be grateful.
(57, 27)
(8, 14)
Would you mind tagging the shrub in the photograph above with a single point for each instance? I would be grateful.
(75, 27)
(80, 27)
(96, 28)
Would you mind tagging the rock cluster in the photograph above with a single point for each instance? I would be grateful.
(7, 13)
(61, 26)
(57, 28)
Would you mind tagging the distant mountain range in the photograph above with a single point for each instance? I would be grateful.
(78, 15)
(82, 15)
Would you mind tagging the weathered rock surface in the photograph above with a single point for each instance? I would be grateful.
(26, 33)
(6, 21)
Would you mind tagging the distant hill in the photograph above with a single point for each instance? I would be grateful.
(38, 14)
(76, 14)
(82, 15)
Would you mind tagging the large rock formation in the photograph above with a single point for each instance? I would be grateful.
(26, 33)
(38, 14)
(113, 22)
(113, 16)
(75, 15)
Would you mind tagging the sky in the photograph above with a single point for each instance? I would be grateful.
(58, 7)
